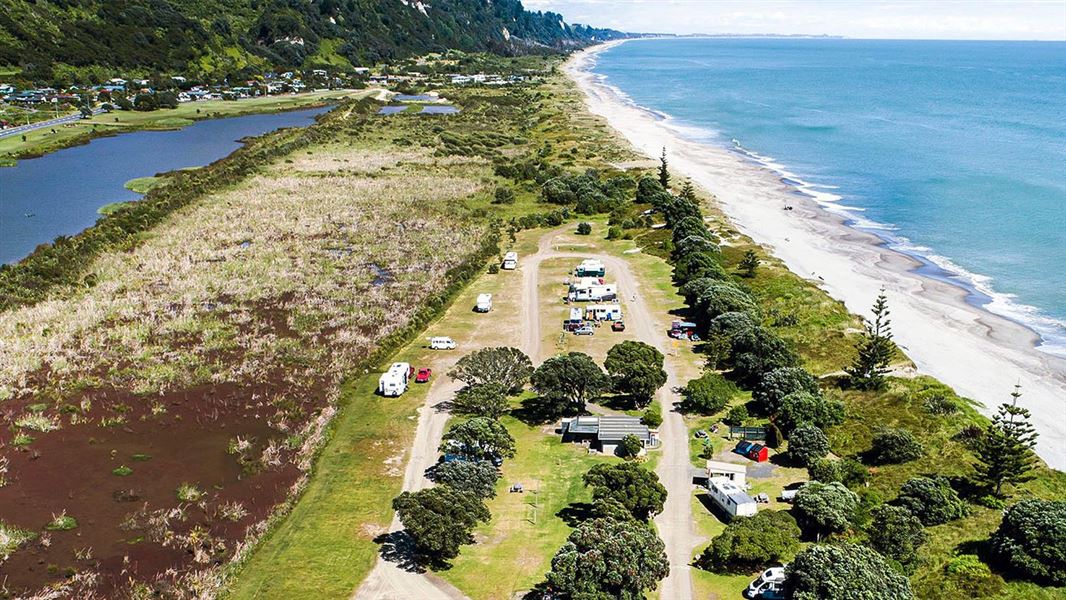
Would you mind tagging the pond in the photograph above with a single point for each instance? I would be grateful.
(59, 193)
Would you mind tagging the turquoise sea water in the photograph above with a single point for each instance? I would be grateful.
(954, 152)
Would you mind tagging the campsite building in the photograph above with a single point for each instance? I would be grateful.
(606, 433)
(731, 498)
(731, 471)
(756, 452)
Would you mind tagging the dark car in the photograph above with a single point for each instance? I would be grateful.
(618, 326)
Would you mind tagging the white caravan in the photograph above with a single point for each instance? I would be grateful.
(484, 303)
(603, 312)
(510, 261)
(394, 381)
(441, 343)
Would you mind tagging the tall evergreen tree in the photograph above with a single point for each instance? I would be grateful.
(749, 264)
(1005, 454)
(664, 174)
(688, 192)
(875, 349)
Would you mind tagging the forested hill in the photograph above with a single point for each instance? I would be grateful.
(215, 38)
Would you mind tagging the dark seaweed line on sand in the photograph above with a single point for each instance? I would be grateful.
(63, 262)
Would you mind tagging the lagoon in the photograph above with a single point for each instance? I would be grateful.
(60, 193)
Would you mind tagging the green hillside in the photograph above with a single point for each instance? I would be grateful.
(86, 40)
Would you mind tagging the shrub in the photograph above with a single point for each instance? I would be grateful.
(845, 571)
(894, 446)
(653, 416)
(753, 543)
(630, 446)
(967, 577)
(708, 395)
(759, 351)
(614, 232)
(503, 195)
(848, 471)
(61, 522)
(122, 471)
(188, 492)
(774, 386)
(584, 228)
(897, 534)
(1031, 541)
(933, 501)
(939, 404)
(825, 507)
(807, 444)
(803, 407)
(717, 298)
(737, 416)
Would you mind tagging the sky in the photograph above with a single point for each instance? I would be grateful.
(899, 19)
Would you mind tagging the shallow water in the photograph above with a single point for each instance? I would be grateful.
(951, 151)
(59, 193)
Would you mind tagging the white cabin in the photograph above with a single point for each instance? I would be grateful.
(484, 303)
(394, 381)
(603, 312)
(731, 498)
(510, 261)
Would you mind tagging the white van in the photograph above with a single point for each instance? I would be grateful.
(484, 303)
(769, 584)
(441, 343)
(393, 382)
(510, 261)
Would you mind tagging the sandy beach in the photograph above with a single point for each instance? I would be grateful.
(980, 354)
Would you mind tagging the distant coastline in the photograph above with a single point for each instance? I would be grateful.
(940, 322)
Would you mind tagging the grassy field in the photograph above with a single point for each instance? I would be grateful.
(42, 141)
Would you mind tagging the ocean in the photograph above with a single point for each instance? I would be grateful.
(953, 152)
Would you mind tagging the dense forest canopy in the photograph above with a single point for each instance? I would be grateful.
(216, 38)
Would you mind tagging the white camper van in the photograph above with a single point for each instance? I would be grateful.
(510, 261)
(441, 343)
(484, 303)
(603, 312)
(394, 381)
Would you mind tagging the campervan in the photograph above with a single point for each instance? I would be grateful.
(484, 303)
(768, 585)
(603, 312)
(394, 381)
(510, 261)
(441, 343)
(590, 268)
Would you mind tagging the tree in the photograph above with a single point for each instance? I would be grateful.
(570, 380)
(758, 351)
(631, 446)
(476, 477)
(803, 407)
(806, 444)
(636, 369)
(605, 558)
(843, 572)
(584, 228)
(708, 395)
(893, 446)
(609, 508)
(719, 297)
(933, 501)
(635, 487)
(875, 349)
(736, 416)
(1031, 541)
(664, 173)
(775, 385)
(479, 438)
(1005, 454)
(700, 264)
(439, 519)
(483, 400)
(848, 471)
(897, 534)
(653, 416)
(509, 367)
(753, 543)
(749, 264)
(823, 508)
(503, 195)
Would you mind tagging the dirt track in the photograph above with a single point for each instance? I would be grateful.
(389, 581)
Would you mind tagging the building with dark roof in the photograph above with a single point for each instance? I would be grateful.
(607, 432)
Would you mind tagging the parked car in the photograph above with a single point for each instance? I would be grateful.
(572, 324)
(701, 434)
(618, 326)
(584, 330)
(441, 343)
(767, 585)
(423, 375)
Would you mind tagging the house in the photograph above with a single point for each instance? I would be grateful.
(394, 381)
(733, 472)
(603, 312)
(756, 452)
(731, 498)
(590, 268)
(607, 432)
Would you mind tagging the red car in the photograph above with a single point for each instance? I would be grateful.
(618, 326)
(423, 375)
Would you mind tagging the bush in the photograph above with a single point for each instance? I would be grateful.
(893, 446)
(503, 195)
(757, 352)
(719, 297)
(752, 544)
(772, 389)
(825, 507)
(967, 577)
(933, 501)
(584, 228)
(848, 471)
(939, 404)
(803, 407)
(614, 232)
(1031, 541)
(844, 572)
(708, 395)
(630, 446)
(653, 416)
(807, 444)
(736, 416)
(897, 534)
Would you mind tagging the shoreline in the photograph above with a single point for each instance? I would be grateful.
(979, 353)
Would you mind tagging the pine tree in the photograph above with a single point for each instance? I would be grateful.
(1006, 453)
(688, 192)
(664, 175)
(875, 349)
(749, 264)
